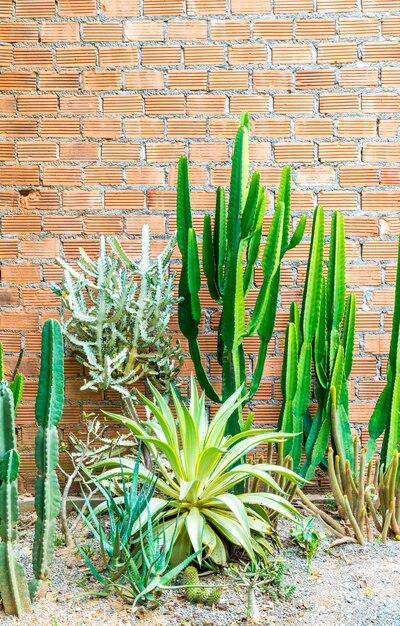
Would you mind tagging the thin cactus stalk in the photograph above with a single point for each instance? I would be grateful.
(48, 409)
(230, 251)
(323, 334)
(386, 416)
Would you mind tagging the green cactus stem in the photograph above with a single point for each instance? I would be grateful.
(48, 409)
(230, 251)
(13, 585)
(386, 416)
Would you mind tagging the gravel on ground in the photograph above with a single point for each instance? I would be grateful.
(350, 586)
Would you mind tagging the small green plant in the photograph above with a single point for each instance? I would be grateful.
(142, 570)
(274, 581)
(235, 236)
(86, 548)
(198, 467)
(16, 594)
(117, 537)
(197, 593)
(308, 537)
(265, 577)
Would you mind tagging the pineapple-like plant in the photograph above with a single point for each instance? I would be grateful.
(116, 313)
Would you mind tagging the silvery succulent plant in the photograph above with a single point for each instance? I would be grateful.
(115, 313)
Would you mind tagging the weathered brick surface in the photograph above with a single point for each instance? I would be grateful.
(100, 99)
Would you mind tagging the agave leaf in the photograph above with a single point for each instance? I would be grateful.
(271, 501)
(195, 523)
(231, 529)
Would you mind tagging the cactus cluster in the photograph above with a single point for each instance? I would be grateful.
(367, 490)
(195, 592)
(118, 313)
(323, 334)
(15, 592)
(230, 251)
(367, 494)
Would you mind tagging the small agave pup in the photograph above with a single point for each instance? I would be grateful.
(198, 467)
(15, 593)
(236, 235)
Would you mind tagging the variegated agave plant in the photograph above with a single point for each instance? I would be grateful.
(198, 466)
(120, 311)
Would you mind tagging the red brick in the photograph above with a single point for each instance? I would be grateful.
(77, 8)
(57, 32)
(250, 6)
(120, 8)
(19, 31)
(35, 8)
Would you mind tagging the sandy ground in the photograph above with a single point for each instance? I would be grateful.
(350, 586)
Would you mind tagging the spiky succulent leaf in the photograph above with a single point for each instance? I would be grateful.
(202, 489)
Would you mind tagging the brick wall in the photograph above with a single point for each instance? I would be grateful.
(99, 99)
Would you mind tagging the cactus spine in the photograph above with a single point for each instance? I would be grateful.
(386, 416)
(236, 234)
(324, 334)
(49, 403)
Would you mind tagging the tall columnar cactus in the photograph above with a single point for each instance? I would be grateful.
(48, 409)
(386, 416)
(235, 236)
(324, 334)
(13, 585)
